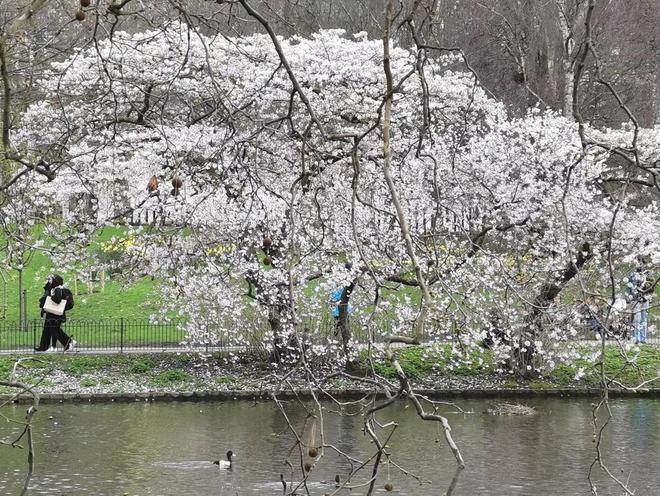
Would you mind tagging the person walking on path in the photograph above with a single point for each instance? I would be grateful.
(52, 331)
(639, 293)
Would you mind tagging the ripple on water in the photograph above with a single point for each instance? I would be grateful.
(186, 465)
(165, 450)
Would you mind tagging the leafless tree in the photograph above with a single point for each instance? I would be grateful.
(26, 424)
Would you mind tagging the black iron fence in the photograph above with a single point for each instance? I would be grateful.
(110, 334)
(125, 335)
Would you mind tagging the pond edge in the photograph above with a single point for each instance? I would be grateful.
(229, 395)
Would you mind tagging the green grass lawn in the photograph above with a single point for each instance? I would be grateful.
(117, 299)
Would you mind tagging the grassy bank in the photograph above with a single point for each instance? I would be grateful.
(429, 370)
(642, 365)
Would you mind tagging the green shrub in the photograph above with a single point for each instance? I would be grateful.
(5, 368)
(183, 359)
(83, 364)
(141, 366)
(417, 361)
(225, 379)
(170, 377)
(564, 374)
(88, 382)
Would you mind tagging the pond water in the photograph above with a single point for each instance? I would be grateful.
(166, 448)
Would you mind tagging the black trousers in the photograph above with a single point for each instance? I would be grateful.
(52, 332)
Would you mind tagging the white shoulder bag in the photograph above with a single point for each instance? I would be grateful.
(54, 308)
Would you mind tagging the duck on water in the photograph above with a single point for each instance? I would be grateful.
(225, 463)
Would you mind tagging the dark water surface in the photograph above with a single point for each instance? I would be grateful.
(166, 448)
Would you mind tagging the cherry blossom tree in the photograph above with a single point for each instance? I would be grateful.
(281, 169)
(280, 190)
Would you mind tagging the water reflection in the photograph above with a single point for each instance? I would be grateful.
(167, 449)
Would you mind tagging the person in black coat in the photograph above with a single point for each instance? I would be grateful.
(52, 331)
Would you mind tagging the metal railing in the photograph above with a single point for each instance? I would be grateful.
(109, 334)
(123, 335)
(133, 335)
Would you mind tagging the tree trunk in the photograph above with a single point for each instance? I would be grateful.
(545, 299)
(387, 163)
(551, 289)
(6, 97)
(275, 322)
(5, 165)
(343, 324)
(568, 77)
(655, 99)
(567, 65)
